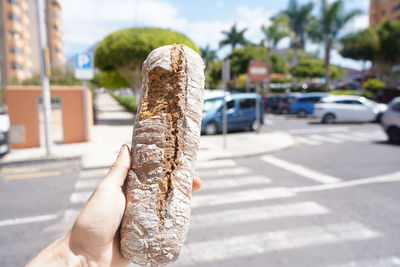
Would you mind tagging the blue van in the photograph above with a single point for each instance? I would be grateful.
(241, 113)
(304, 105)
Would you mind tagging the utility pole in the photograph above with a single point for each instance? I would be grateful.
(45, 73)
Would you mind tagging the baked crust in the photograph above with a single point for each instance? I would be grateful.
(164, 149)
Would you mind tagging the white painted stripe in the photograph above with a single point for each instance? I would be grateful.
(80, 197)
(222, 172)
(307, 141)
(348, 137)
(370, 135)
(324, 138)
(24, 220)
(258, 213)
(234, 182)
(387, 178)
(87, 183)
(318, 130)
(215, 164)
(259, 243)
(380, 262)
(98, 173)
(301, 170)
(241, 196)
(70, 215)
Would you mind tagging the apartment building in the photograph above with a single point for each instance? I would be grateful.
(19, 47)
(381, 10)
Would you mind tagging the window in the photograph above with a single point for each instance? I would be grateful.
(55, 27)
(247, 103)
(395, 8)
(16, 66)
(396, 107)
(13, 2)
(352, 102)
(230, 104)
(310, 99)
(15, 50)
(13, 17)
(14, 35)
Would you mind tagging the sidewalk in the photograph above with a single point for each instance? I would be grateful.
(114, 128)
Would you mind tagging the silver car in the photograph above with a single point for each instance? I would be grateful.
(391, 121)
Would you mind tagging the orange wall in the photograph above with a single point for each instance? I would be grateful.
(22, 106)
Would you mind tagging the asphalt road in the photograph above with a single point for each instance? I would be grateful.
(331, 200)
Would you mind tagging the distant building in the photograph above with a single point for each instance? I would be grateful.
(381, 10)
(19, 47)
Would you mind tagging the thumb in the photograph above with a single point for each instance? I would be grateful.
(120, 168)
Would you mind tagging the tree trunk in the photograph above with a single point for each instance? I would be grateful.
(328, 47)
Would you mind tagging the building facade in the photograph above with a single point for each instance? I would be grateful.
(19, 38)
(381, 10)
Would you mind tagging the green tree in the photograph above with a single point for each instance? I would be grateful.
(209, 55)
(299, 18)
(240, 58)
(374, 84)
(327, 27)
(315, 68)
(278, 30)
(233, 37)
(213, 78)
(389, 35)
(363, 45)
(125, 50)
(277, 64)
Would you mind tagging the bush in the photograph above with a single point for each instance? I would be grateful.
(343, 92)
(128, 102)
(374, 84)
(280, 80)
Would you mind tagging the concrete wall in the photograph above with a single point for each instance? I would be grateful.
(76, 103)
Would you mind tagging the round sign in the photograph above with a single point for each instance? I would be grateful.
(257, 70)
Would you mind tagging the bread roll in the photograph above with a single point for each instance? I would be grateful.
(164, 148)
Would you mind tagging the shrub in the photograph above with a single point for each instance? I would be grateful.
(128, 102)
(374, 84)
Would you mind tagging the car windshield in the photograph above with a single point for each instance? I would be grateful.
(211, 105)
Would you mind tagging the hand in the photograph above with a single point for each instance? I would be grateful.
(94, 237)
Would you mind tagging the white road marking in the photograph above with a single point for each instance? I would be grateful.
(222, 172)
(259, 213)
(241, 196)
(371, 135)
(301, 170)
(70, 215)
(235, 182)
(97, 173)
(387, 178)
(307, 141)
(87, 183)
(80, 197)
(324, 138)
(258, 243)
(215, 164)
(318, 130)
(348, 137)
(380, 262)
(32, 219)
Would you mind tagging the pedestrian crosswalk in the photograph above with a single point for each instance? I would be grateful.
(341, 137)
(233, 200)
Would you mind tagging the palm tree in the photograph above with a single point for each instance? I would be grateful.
(209, 55)
(327, 28)
(233, 37)
(299, 19)
(278, 30)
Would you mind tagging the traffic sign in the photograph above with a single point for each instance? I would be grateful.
(83, 63)
(257, 70)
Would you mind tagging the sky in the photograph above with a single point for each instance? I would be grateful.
(89, 21)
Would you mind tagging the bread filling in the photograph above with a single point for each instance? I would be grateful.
(165, 96)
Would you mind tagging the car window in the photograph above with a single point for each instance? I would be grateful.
(340, 102)
(247, 103)
(230, 104)
(310, 99)
(352, 102)
(212, 104)
(396, 107)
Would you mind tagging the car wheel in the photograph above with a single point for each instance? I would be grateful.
(211, 128)
(302, 113)
(253, 126)
(394, 135)
(329, 118)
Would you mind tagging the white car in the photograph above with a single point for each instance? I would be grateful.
(4, 130)
(348, 108)
(391, 121)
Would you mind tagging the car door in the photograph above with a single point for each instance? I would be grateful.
(231, 115)
(358, 111)
(246, 112)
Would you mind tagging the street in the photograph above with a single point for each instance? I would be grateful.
(330, 200)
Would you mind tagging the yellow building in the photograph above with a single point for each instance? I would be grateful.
(381, 10)
(19, 48)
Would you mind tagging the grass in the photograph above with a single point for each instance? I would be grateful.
(128, 102)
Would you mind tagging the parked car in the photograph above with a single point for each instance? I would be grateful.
(241, 113)
(4, 130)
(391, 120)
(280, 104)
(304, 105)
(348, 108)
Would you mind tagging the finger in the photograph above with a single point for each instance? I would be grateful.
(196, 183)
(120, 168)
